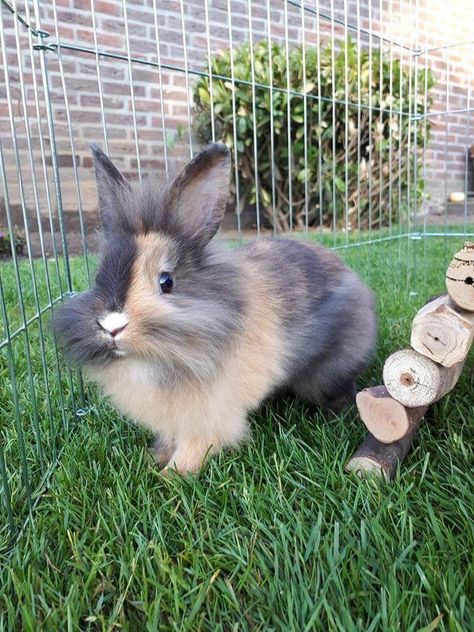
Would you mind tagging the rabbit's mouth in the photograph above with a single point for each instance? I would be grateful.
(108, 349)
(118, 353)
(116, 348)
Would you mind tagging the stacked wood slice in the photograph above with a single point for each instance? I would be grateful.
(460, 277)
(442, 334)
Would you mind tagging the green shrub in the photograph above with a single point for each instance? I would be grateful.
(366, 164)
(5, 243)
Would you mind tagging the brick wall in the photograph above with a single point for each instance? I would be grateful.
(161, 97)
(452, 66)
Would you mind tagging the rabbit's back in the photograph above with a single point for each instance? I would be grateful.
(325, 313)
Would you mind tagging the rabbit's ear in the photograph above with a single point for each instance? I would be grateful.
(198, 196)
(110, 185)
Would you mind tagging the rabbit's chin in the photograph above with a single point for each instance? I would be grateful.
(119, 353)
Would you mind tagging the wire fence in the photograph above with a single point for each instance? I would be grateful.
(349, 123)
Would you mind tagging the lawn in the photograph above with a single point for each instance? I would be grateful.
(273, 537)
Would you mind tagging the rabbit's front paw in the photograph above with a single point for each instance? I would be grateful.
(161, 450)
(344, 397)
(188, 458)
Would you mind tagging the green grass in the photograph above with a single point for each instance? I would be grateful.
(273, 537)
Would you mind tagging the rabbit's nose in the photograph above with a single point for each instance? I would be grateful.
(116, 331)
(113, 323)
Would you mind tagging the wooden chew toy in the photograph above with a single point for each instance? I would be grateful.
(376, 404)
(374, 458)
(415, 380)
(442, 334)
(460, 277)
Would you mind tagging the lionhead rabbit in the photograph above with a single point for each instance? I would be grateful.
(186, 337)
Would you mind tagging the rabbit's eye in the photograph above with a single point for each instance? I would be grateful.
(166, 282)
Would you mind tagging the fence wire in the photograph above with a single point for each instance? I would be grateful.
(349, 123)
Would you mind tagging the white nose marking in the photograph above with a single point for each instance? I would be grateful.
(114, 322)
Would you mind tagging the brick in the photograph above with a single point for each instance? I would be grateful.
(113, 133)
(93, 101)
(65, 32)
(64, 160)
(146, 106)
(87, 162)
(80, 116)
(168, 36)
(126, 120)
(199, 41)
(143, 72)
(151, 165)
(179, 110)
(142, 47)
(116, 72)
(154, 134)
(83, 84)
(168, 5)
(122, 88)
(70, 16)
(100, 6)
(140, 30)
(106, 25)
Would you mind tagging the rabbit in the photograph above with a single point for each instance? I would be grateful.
(186, 336)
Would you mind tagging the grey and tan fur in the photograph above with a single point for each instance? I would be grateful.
(237, 326)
